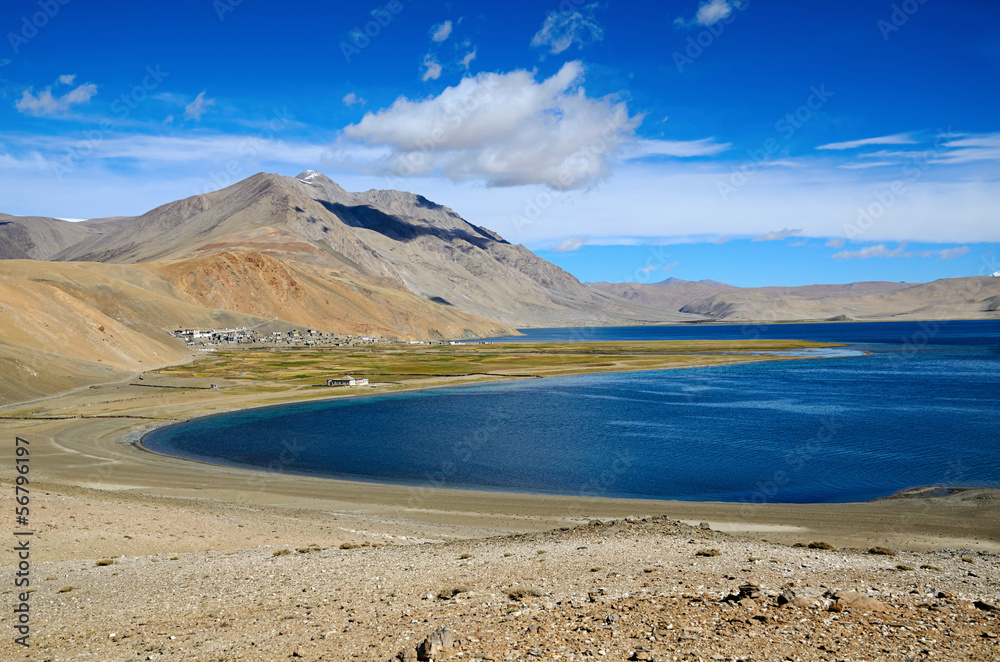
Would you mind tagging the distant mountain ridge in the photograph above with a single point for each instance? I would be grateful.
(959, 298)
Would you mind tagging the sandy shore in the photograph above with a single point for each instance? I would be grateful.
(97, 452)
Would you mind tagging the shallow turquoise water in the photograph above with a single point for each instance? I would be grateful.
(920, 409)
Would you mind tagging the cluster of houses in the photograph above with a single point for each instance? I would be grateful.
(244, 335)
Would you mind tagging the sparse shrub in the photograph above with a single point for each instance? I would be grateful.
(881, 551)
(520, 593)
(799, 544)
(542, 551)
(598, 569)
(819, 544)
(66, 589)
(903, 566)
(507, 554)
(707, 552)
(104, 562)
(449, 593)
(347, 545)
(930, 567)
(282, 552)
(464, 556)
(649, 570)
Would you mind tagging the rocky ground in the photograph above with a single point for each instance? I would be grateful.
(636, 588)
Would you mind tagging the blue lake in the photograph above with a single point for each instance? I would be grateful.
(920, 409)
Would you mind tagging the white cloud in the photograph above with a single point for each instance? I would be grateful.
(866, 165)
(571, 244)
(507, 129)
(984, 147)
(469, 57)
(711, 12)
(352, 99)
(67, 79)
(677, 148)
(835, 243)
(433, 69)
(868, 252)
(441, 32)
(562, 29)
(778, 235)
(197, 108)
(947, 253)
(44, 104)
(896, 139)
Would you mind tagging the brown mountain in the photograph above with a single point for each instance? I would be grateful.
(391, 239)
(955, 298)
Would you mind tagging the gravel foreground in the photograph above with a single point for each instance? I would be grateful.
(636, 588)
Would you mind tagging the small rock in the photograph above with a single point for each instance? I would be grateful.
(407, 655)
(704, 525)
(984, 606)
(436, 642)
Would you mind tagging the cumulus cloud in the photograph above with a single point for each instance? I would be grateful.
(778, 235)
(45, 104)
(868, 252)
(441, 31)
(571, 244)
(835, 243)
(562, 29)
(947, 253)
(896, 139)
(352, 99)
(710, 12)
(67, 79)
(507, 129)
(197, 108)
(433, 71)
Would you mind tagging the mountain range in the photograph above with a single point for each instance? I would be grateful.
(82, 302)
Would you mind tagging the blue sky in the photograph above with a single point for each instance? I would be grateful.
(756, 143)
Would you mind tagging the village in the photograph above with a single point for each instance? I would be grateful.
(294, 337)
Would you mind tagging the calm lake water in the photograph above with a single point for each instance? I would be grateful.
(921, 409)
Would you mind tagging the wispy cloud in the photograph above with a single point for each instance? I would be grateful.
(562, 29)
(867, 164)
(677, 148)
(868, 252)
(711, 12)
(982, 147)
(467, 60)
(570, 244)
(441, 31)
(46, 104)
(778, 235)
(352, 99)
(946, 253)
(895, 139)
(197, 108)
(433, 69)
